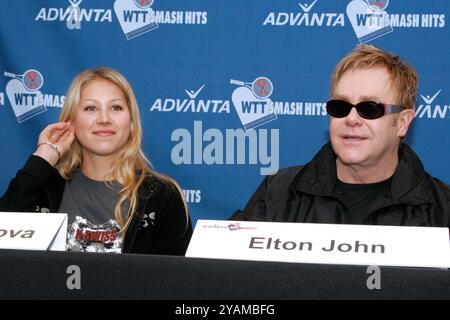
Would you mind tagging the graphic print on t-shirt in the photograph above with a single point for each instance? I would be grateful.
(88, 237)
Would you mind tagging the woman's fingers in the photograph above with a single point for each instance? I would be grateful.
(53, 132)
(54, 141)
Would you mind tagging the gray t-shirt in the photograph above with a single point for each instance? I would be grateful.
(90, 206)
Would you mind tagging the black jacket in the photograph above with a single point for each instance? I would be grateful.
(38, 185)
(311, 194)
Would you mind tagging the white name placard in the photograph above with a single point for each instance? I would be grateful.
(33, 231)
(321, 243)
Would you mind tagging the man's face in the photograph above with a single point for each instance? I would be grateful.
(362, 143)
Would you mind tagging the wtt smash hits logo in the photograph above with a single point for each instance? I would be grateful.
(368, 18)
(25, 97)
(432, 110)
(254, 107)
(135, 17)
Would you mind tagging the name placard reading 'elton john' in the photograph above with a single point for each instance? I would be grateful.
(321, 243)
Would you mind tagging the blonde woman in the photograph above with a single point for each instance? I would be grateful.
(91, 166)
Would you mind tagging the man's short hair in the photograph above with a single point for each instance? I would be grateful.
(403, 75)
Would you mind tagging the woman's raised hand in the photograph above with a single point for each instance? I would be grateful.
(54, 141)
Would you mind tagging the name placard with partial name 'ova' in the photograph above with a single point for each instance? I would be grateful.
(33, 231)
(321, 243)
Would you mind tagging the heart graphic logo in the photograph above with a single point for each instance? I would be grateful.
(134, 20)
(370, 24)
(252, 111)
(25, 104)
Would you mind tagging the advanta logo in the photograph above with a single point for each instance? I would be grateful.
(432, 111)
(305, 18)
(192, 104)
(73, 15)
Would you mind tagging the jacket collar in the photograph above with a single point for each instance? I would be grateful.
(319, 176)
(407, 182)
(145, 192)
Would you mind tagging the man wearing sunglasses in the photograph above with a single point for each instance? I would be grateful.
(365, 174)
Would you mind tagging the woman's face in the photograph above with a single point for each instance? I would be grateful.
(102, 121)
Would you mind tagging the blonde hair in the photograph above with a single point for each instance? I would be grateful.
(403, 75)
(131, 166)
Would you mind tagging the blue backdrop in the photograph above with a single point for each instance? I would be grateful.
(229, 91)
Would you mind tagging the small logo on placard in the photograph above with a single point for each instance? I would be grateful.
(229, 226)
(238, 226)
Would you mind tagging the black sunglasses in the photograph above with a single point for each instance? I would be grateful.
(366, 109)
